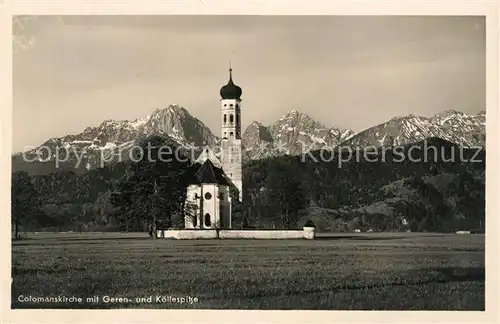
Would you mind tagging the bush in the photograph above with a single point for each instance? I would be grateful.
(309, 223)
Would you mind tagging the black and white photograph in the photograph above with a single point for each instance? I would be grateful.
(246, 162)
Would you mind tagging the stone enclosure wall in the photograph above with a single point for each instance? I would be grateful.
(191, 234)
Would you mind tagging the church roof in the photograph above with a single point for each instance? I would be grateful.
(230, 90)
(208, 154)
(207, 173)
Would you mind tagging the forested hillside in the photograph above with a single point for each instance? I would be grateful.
(390, 193)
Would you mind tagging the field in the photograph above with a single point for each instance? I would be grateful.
(336, 271)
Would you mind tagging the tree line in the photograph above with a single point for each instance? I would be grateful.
(280, 192)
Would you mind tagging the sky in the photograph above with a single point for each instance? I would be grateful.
(347, 71)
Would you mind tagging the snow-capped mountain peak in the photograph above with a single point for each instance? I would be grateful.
(116, 137)
(293, 133)
(450, 125)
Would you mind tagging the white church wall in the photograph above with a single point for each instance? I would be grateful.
(209, 195)
(210, 217)
(192, 210)
(218, 207)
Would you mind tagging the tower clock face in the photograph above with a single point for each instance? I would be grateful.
(208, 195)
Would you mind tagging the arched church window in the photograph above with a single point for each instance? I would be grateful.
(225, 105)
(230, 133)
(237, 105)
(230, 105)
(237, 119)
(225, 134)
(195, 221)
(208, 195)
(231, 118)
(208, 222)
(225, 118)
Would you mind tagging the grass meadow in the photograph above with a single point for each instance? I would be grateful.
(336, 271)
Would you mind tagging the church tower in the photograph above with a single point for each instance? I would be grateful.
(231, 132)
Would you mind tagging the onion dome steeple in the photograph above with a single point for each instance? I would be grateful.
(230, 90)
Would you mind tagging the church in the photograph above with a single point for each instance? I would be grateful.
(216, 183)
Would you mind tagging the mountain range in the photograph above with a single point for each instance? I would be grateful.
(293, 134)
(450, 125)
